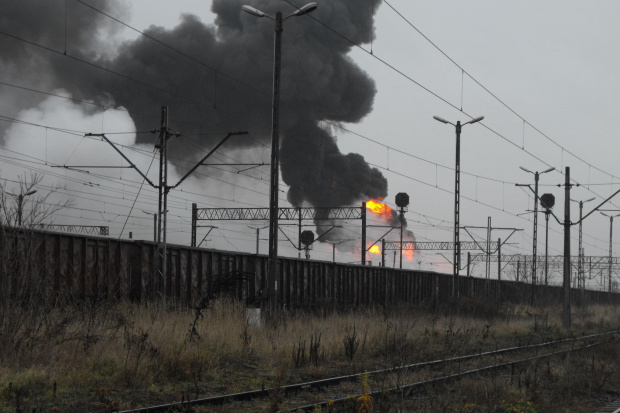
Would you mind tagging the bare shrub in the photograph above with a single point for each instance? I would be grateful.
(26, 305)
(350, 343)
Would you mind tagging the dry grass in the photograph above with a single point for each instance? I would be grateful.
(104, 356)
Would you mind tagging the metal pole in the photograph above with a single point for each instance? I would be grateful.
(499, 259)
(383, 252)
(20, 204)
(275, 149)
(194, 222)
(161, 228)
(299, 235)
(499, 268)
(547, 246)
(457, 198)
(155, 228)
(566, 317)
(364, 234)
(257, 239)
(487, 271)
(535, 241)
(401, 237)
(165, 219)
(611, 227)
(580, 279)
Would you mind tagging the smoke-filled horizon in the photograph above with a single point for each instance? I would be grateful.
(225, 88)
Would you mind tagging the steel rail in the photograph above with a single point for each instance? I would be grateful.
(330, 381)
(408, 388)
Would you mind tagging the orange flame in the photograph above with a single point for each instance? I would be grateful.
(378, 207)
(407, 254)
(375, 249)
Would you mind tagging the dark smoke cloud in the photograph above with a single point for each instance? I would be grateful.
(319, 81)
(43, 22)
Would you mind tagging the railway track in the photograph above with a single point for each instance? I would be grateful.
(300, 395)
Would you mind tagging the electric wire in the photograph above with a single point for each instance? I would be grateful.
(29, 42)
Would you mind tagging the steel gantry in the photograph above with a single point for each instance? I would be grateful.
(78, 229)
(595, 265)
(438, 246)
(284, 214)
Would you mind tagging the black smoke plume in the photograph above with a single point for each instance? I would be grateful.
(225, 86)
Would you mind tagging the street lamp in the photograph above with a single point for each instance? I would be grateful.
(457, 196)
(20, 204)
(580, 276)
(275, 142)
(535, 235)
(611, 227)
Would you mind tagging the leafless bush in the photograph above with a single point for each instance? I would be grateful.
(26, 305)
(350, 343)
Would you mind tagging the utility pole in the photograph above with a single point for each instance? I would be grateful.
(401, 219)
(499, 268)
(402, 201)
(566, 316)
(580, 273)
(488, 251)
(547, 201)
(457, 190)
(275, 148)
(382, 252)
(611, 228)
(163, 189)
(547, 212)
(258, 235)
(535, 231)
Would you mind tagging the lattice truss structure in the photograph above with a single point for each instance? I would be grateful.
(592, 267)
(78, 229)
(284, 214)
(439, 246)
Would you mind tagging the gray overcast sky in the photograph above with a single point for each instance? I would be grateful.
(554, 63)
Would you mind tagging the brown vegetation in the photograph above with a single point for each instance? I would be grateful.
(102, 355)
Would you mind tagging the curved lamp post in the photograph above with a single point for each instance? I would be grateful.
(275, 143)
(457, 196)
(535, 235)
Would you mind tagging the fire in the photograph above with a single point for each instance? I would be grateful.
(378, 207)
(375, 249)
(408, 255)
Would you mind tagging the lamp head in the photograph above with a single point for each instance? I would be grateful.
(548, 170)
(474, 120)
(308, 8)
(254, 12)
(525, 169)
(442, 120)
